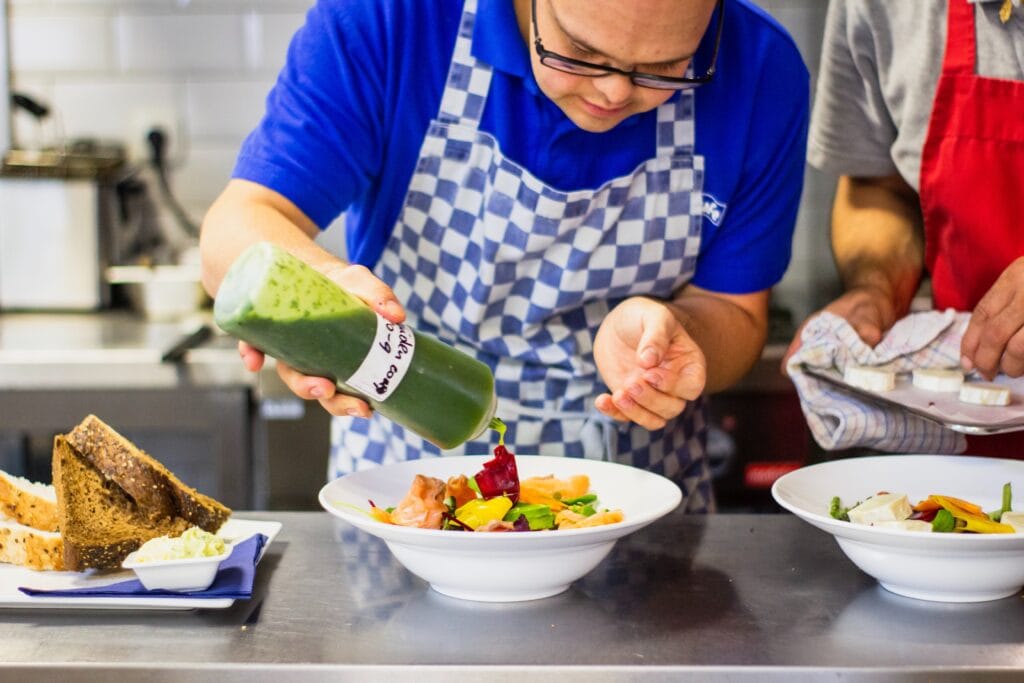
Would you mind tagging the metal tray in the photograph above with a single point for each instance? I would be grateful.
(943, 408)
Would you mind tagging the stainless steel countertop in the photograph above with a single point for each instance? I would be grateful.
(111, 350)
(718, 598)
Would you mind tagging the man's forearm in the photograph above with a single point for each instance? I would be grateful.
(245, 214)
(877, 238)
(730, 329)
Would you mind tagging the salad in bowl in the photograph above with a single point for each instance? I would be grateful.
(493, 551)
(931, 527)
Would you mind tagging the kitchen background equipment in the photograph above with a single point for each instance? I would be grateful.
(56, 233)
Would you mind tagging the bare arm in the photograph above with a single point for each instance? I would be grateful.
(878, 244)
(731, 329)
(246, 213)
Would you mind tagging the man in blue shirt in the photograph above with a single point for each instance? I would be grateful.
(592, 198)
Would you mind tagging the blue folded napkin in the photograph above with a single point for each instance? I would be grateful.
(234, 580)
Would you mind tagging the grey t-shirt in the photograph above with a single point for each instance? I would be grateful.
(880, 66)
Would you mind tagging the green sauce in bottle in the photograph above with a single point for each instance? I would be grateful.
(287, 309)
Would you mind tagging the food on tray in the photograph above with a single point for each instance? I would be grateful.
(194, 543)
(495, 499)
(28, 524)
(30, 547)
(112, 497)
(28, 503)
(938, 513)
(870, 377)
(985, 394)
(107, 499)
(938, 379)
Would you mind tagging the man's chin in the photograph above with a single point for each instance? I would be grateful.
(593, 124)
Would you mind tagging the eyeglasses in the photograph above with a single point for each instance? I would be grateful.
(577, 67)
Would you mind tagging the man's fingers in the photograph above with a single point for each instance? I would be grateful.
(665, 406)
(252, 358)
(628, 405)
(683, 376)
(606, 405)
(343, 404)
(359, 280)
(996, 320)
(658, 330)
(1012, 362)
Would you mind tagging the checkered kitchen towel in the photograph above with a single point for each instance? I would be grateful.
(841, 419)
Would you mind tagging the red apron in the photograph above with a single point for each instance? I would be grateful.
(972, 183)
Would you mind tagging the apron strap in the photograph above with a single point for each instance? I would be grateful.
(675, 129)
(465, 90)
(961, 47)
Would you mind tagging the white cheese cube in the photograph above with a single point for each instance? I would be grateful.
(1014, 519)
(935, 379)
(905, 524)
(884, 507)
(985, 394)
(870, 378)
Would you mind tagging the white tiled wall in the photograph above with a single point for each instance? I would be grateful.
(112, 68)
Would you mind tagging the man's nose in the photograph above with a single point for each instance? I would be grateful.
(616, 89)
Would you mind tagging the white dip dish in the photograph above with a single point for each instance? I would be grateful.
(184, 576)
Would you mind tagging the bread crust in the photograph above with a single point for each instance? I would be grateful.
(112, 497)
(100, 523)
(25, 506)
(32, 548)
(156, 491)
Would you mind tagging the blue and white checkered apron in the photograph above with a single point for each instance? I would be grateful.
(489, 259)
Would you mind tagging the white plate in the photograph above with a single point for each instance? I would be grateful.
(12, 576)
(502, 567)
(928, 566)
(943, 407)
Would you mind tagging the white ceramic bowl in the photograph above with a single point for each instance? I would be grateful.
(927, 566)
(161, 292)
(502, 567)
(183, 576)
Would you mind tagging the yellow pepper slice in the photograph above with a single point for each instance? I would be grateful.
(978, 523)
(380, 515)
(551, 491)
(478, 512)
(959, 502)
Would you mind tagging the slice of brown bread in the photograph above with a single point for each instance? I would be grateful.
(27, 502)
(29, 547)
(155, 490)
(99, 522)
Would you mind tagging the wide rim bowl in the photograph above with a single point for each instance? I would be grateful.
(348, 497)
(502, 567)
(930, 566)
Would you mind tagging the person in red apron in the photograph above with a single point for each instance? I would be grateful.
(965, 223)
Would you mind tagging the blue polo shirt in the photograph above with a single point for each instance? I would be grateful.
(363, 79)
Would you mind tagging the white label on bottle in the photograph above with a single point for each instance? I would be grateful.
(386, 362)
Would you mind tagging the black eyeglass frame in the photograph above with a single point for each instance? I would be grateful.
(649, 80)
